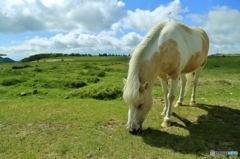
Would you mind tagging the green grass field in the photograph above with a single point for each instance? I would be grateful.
(71, 107)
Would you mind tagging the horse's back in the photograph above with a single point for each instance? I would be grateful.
(187, 45)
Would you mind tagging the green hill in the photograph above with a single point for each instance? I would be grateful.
(6, 59)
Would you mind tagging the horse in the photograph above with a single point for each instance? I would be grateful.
(169, 50)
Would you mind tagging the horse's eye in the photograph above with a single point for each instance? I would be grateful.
(140, 106)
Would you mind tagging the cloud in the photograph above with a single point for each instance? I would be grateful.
(99, 26)
(81, 26)
(60, 15)
(223, 23)
(222, 26)
(84, 15)
(145, 19)
(73, 42)
(131, 39)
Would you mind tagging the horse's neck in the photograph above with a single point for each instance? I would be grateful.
(147, 73)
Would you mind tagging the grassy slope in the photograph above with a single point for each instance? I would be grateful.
(46, 125)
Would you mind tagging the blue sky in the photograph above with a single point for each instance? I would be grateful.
(29, 27)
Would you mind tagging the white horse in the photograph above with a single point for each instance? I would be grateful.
(170, 49)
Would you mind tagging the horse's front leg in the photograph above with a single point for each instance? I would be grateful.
(165, 92)
(181, 96)
(170, 97)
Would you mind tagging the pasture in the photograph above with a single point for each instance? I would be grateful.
(73, 108)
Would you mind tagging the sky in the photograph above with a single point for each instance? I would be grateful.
(29, 27)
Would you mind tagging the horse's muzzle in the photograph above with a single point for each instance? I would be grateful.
(135, 131)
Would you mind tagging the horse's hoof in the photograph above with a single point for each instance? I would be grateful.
(178, 104)
(163, 113)
(166, 123)
(192, 103)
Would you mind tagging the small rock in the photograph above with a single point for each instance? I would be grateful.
(23, 93)
(67, 97)
(89, 155)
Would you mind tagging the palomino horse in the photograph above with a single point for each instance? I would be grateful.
(170, 49)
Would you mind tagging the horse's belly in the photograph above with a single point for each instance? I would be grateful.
(196, 61)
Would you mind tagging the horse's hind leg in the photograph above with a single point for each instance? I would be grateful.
(181, 95)
(195, 82)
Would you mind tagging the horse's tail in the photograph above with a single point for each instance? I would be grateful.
(189, 77)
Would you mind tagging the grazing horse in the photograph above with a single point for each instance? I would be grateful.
(170, 49)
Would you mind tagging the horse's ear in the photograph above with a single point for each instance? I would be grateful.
(143, 87)
(124, 80)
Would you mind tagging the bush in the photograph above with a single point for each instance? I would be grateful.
(101, 74)
(77, 84)
(10, 81)
(101, 92)
(37, 70)
(93, 80)
(108, 69)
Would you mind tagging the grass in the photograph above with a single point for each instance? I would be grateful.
(91, 122)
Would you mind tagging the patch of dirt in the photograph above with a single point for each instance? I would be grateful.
(45, 126)
(112, 124)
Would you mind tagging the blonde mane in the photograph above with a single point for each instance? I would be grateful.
(132, 85)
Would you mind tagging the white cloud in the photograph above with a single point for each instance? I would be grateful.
(98, 26)
(145, 19)
(222, 48)
(222, 26)
(131, 39)
(85, 26)
(223, 23)
(87, 15)
(76, 42)
(116, 28)
(51, 3)
(61, 15)
(103, 26)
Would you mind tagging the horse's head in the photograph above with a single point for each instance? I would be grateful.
(138, 107)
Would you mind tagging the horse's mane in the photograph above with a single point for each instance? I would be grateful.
(132, 85)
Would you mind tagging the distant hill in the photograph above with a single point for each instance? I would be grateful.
(6, 59)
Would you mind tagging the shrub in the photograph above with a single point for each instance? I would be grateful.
(107, 93)
(90, 66)
(53, 67)
(10, 81)
(37, 69)
(101, 74)
(75, 84)
(101, 92)
(108, 69)
(93, 80)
